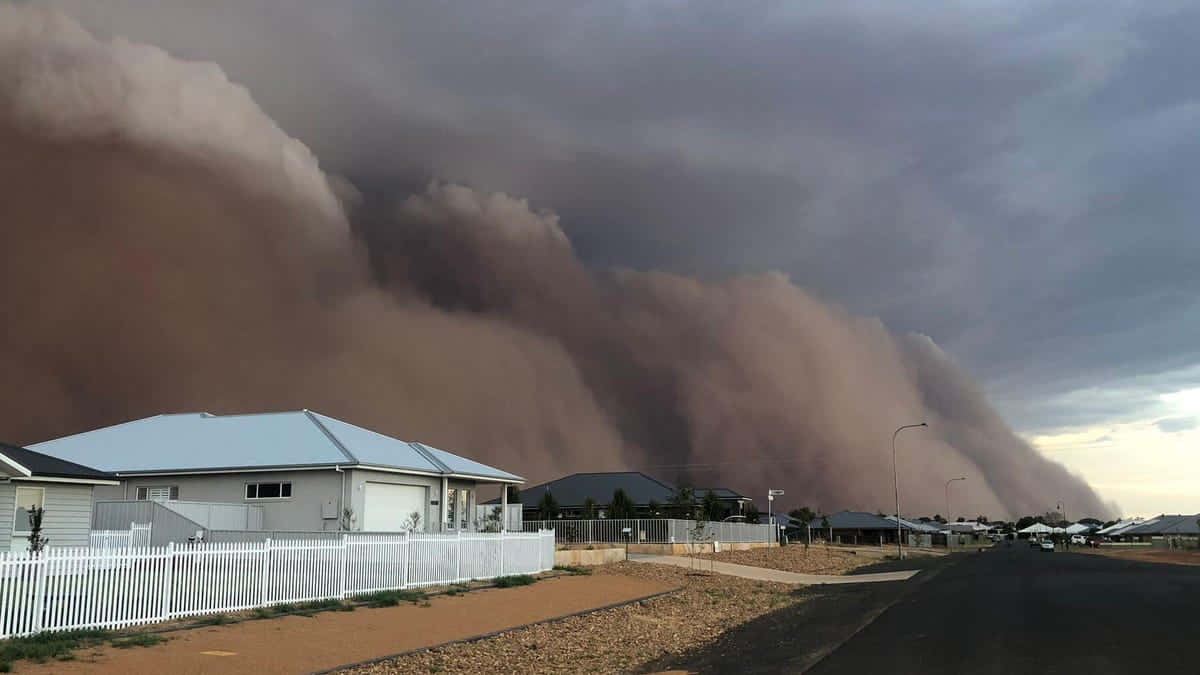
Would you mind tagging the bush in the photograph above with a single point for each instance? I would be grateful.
(573, 569)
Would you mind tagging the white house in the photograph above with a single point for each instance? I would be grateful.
(306, 471)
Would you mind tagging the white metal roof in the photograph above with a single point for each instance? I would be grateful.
(1118, 528)
(200, 442)
(1037, 528)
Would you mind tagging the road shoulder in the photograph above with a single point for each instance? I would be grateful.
(797, 637)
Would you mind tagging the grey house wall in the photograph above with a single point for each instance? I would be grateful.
(301, 511)
(311, 491)
(68, 516)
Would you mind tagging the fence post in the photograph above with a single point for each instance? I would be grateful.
(458, 556)
(407, 558)
(345, 561)
(168, 580)
(39, 593)
(501, 554)
(264, 574)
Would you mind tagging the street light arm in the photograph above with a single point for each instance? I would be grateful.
(948, 495)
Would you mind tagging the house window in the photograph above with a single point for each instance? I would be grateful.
(27, 497)
(268, 490)
(158, 493)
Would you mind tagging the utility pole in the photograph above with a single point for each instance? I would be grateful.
(1062, 508)
(896, 483)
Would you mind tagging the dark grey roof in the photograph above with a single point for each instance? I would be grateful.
(1167, 524)
(721, 493)
(50, 467)
(571, 491)
(856, 520)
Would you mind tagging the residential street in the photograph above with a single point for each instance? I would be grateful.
(1009, 610)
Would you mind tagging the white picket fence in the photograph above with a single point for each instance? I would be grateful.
(138, 535)
(68, 588)
(651, 531)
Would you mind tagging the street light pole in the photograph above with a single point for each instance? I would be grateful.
(948, 495)
(1062, 508)
(896, 483)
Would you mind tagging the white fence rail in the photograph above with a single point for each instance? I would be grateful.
(65, 588)
(650, 531)
(138, 535)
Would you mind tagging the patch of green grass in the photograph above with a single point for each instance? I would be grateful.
(391, 598)
(212, 620)
(284, 608)
(320, 605)
(45, 646)
(139, 640)
(573, 569)
(513, 580)
(262, 613)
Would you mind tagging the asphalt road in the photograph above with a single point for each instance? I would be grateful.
(1008, 610)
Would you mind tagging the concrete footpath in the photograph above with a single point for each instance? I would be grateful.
(767, 574)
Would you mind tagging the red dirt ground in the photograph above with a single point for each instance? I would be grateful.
(1175, 557)
(297, 644)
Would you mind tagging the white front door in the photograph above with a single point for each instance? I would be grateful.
(389, 508)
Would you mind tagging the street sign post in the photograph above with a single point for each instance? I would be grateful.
(771, 495)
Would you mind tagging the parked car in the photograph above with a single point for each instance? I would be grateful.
(1078, 539)
(1047, 545)
(1034, 543)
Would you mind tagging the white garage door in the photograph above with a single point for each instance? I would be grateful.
(389, 507)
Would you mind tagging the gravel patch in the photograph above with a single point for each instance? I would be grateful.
(622, 639)
(814, 560)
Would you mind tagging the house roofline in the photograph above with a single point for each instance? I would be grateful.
(329, 434)
(64, 479)
(15, 465)
(314, 467)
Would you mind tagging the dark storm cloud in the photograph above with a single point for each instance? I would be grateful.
(1005, 178)
(1008, 178)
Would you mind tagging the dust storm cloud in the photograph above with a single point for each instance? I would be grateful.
(167, 247)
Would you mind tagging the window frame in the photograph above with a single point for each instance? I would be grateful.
(172, 492)
(17, 509)
(257, 484)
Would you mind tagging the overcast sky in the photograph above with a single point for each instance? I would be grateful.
(1013, 179)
